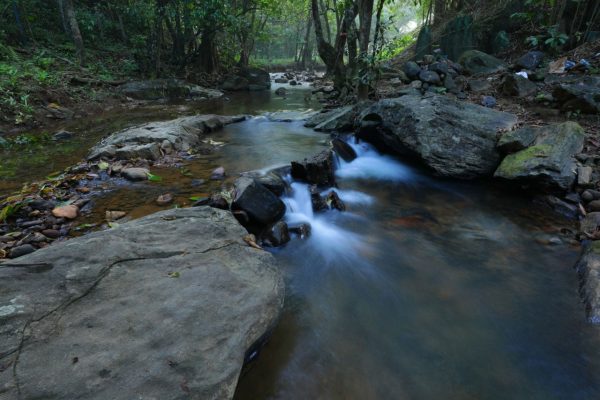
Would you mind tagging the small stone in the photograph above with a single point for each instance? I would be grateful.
(51, 233)
(281, 92)
(21, 251)
(428, 59)
(29, 224)
(343, 149)
(416, 84)
(135, 174)
(334, 202)
(488, 101)
(594, 205)
(303, 230)
(218, 174)
(430, 77)
(587, 196)
(62, 135)
(114, 215)
(83, 189)
(584, 176)
(69, 212)
(164, 199)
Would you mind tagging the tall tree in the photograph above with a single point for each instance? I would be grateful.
(71, 18)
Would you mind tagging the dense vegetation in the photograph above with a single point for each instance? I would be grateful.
(49, 44)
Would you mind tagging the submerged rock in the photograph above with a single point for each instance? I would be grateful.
(164, 307)
(135, 174)
(548, 163)
(455, 139)
(167, 89)
(588, 269)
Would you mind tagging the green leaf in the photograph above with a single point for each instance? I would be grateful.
(103, 165)
(154, 178)
(174, 275)
(113, 225)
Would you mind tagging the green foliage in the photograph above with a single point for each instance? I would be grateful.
(551, 40)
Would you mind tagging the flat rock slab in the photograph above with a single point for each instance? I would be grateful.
(455, 139)
(157, 89)
(143, 141)
(164, 307)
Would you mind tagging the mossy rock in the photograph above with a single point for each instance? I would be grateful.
(547, 164)
(477, 62)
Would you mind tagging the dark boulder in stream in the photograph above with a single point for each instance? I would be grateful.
(252, 79)
(343, 149)
(164, 307)
(261, 207)
(455, 139)
(158, 89)
(318, 170)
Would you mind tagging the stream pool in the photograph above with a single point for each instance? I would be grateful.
(422, 289)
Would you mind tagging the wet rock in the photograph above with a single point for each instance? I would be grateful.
(530, 60)
(584, 176)
(277, 235)
(430, 77)
(317, 201)
(548, 164)
(302, 230)
(440, 67)
(21, 251)
(281, 91)
(165, 199)
(135, 174)
(582, 95)
(132, 300)
(588, 270)
(167, 89)
(517, 140)
(272, 180)
(412, 70)
(450, 85)
(281, 80)
(488, 101)
(334, 202)
(293, 83)
(317, 170)
(183, 134)
(343, 149)
(338, 120)
(261, 205)
(476, 62)
(62, 135)
(559, 206)
(518, 86)
(42, 205)
(69, 212)
(197, 182)
(452, 138)
(218, 174)
(29, 224)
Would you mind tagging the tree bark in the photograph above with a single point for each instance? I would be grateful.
(365, 15)
(75, 32)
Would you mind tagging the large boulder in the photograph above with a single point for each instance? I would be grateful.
(337, 120)
(582, 95)
(530, 60)
(318, 170)
(143, 141)
(588, 269)
(453, 138)
(548, 162)
(477, 62)
(167, 89)
(518, 86)
(247, 79)
(165, 307)
(260, 206)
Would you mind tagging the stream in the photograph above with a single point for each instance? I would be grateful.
(422, 289)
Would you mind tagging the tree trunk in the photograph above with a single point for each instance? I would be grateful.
(75, 32)
(61, 10)
(365, 15)
(17, 14)
(307, 50)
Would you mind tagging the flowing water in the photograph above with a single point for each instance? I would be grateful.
(422, 289)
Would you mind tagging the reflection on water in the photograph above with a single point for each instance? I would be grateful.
(424, 290)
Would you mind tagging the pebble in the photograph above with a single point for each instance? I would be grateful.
(51, 233)
(594, 205)
(587, 196)
(70, 212)
(488, 101)
(164, 199)
(114, 215)
(21, 250)
(218, 174)
(135, 174)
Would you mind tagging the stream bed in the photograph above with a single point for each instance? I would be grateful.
(422, 289)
